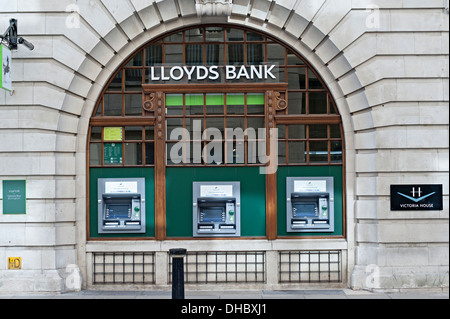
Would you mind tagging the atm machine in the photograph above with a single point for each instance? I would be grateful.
(121, 206)
(216, 209)
(310, 204)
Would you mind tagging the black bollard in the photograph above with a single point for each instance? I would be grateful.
(177, 255)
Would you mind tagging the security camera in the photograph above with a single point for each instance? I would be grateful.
(29, 45)
(10, 39)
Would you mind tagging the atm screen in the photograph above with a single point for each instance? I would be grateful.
(304, 209)
(117, 211)
(212, 214)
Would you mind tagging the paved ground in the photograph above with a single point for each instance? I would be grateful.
(241, 294)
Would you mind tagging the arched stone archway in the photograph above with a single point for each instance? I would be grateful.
(290, 25)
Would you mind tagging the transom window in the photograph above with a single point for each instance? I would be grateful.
(122, 132)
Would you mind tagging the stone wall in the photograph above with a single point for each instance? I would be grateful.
(385, 62)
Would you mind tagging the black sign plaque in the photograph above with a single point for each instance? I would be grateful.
(416, 197)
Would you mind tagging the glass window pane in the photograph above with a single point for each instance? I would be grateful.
(236, 152)
(317, 103)
(236, 122)
(297, 131)
(171, 126)
(136, 60)
(133, 80)
(297, 103)
(275, 54)
(235, 104)
(297, 152)
(194, 35)
(215, 104)
(174, 54)
(133, 153)
(113, 105)
(174, 104)
(95, 154)
(255, 103)
(177, 37)
(318, 131)
(296, 78)
(215, 124)
(153, 55)
(116, 84)
(215, 54)
(194, 104)
(149, 133)
(314, 82)
(251, 36)
(214, 34)
(235, 35)
(318, 152)
(133, 104)
(293, 59)
(255, 54)
(255, 123)
(194, 54)
(281, 131)
(149, 153)
(235, 54)
(336, 151)
(335, 131)
(214, 153)
(133, 133)
(96, 134)
(282, 152)
(195, 128)
(175, 154)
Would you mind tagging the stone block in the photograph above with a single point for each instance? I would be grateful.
(309, 8)
(416, 19)
(167, 9)
(296, 25)
(96, 16)
(132, 27)
(120, 10)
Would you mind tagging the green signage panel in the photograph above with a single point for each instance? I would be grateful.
(5, 68)
(14, 197)
(113, 153)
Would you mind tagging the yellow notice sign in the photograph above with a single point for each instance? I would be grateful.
(113, 134)
(14, 263)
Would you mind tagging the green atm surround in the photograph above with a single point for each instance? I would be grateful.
(310, 171)
(148, 173)
(179, 198)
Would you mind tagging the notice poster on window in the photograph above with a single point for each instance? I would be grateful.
(14, 197)
(112, 153)
(113, 134)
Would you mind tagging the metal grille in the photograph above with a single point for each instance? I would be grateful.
(223, 267)
(124, 268)
(310, 266)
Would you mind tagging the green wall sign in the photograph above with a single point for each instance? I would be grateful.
(14, 197)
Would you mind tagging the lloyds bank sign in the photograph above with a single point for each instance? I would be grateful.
(214, 73)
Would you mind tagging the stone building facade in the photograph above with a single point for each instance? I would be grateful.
(385, 64)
